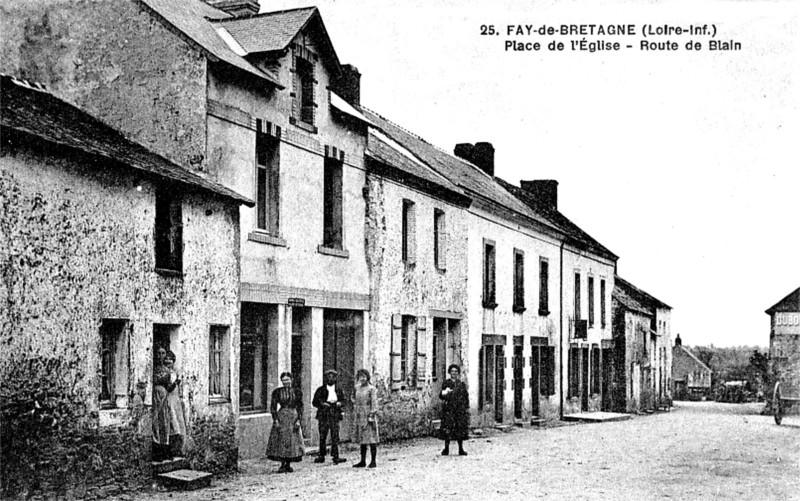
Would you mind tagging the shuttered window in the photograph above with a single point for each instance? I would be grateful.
(332, 204)
(409, 229)
(544, 293)
(439, 239)
(168, 230)
(304, 88)
(396, 355)
(519, 281)
(602, 303)
(590, 292)
(489, 288)
(577, 296)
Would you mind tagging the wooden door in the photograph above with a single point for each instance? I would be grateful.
(338, 353)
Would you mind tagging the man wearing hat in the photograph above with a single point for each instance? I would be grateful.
(329, 400)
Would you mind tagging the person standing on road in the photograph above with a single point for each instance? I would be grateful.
(329, 400)
(285, 438)
(455, 411)
(365, 419)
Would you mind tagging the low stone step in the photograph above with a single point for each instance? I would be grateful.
(503, 427)
(185, 480)
(537, 421)
(169, 465)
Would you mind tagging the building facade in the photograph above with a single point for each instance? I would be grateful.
(109, 253)
(784, 345)
(692, 378)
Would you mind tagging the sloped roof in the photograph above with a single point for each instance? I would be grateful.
(271, 31)
(621, 295)
(31, 110)
(467, 176)
(191, 18)
(641, 296)
(409, 170)
(575, 235)
(694, 357)
(789, 303)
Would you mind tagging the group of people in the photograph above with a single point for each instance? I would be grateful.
(285, 443)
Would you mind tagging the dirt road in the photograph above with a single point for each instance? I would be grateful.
(698, 451)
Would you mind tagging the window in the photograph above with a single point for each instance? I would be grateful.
(218, 373)
(267, 181)
(519, 281)
(595, 369)
(169, 231)
(409, 232)
(577, 296)
(113, 363)
(408, 357)
(602, 303)
(590, 291)
(544, 299)
(332, 219)
(489, 274)
(439, 240)
(304, 86)
(254, 382)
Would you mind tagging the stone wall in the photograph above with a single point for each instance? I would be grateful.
(117, 61)
(77, 248)
(401, 288)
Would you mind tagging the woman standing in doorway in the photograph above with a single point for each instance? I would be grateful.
(162, 385)
(365, 419)
(285, 439)
(177, 421)
(455, 411)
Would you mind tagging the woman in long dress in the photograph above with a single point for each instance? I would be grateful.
(177, 421)
(365, 419)
(161, 415)
(455, 411)
(285, 439)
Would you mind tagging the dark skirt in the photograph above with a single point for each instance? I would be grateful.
(285, 442)
(455, 423)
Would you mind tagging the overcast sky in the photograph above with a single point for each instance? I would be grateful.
(684, 164)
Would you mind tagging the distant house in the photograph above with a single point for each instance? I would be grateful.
(107, 252)
(692, 378)
(784, 344)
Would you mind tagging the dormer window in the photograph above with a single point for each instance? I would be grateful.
(304, 105)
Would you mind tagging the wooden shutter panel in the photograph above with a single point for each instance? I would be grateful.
(295, 85)
(422, 343)
(397, 333)
(412, 232)
(313, 110)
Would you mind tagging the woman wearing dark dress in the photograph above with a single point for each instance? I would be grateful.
(285, 439)
(455, 411)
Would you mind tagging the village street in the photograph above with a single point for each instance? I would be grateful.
(700, 450)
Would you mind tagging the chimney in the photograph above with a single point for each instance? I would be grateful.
(481, 155)
(236, 8)
(678, 341)
(544, 190)
(348, 85)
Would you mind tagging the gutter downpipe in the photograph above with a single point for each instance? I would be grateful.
(561, 327)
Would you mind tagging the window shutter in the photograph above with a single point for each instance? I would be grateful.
(295, 85)
(397, 333)
(422, 343)
(312, 113)
(492, 295)
(412, 232)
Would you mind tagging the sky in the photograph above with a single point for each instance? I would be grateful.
(683, 163)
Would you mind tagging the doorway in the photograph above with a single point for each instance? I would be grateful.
(340, 330)
(492, 376)
(517, 364)
(585, 379)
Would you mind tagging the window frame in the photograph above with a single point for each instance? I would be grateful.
(544, 286)
(168, 230)
(333, 204)
(222, 334)
(408, 229)
(489, 274)
(439, 239)
(267, 198)
(590, 299)
(519, 281)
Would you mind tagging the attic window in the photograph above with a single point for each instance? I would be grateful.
(304, 105)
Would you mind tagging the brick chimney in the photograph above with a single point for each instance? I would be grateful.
(480, 154)
(544, 190)
(348, 85)
(236, 8)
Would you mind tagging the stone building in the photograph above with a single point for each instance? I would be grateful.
(108, 252)
(247, 101)
(784, 345)
(646, 366)
(692, 378)
(416, 238)
(586, 271)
